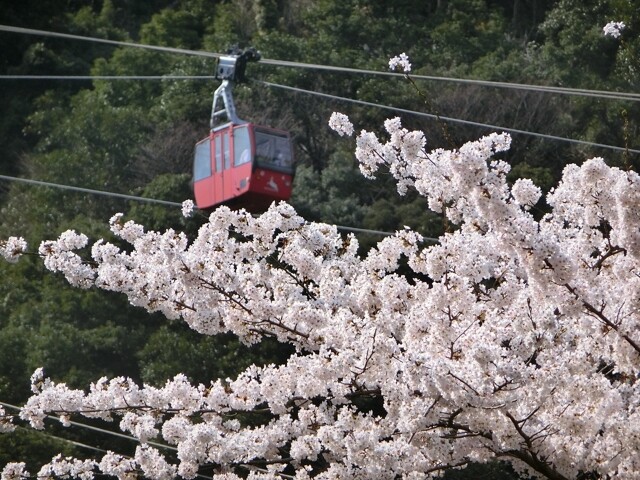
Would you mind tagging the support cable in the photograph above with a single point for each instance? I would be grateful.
(117, 43)
(128, 437)
(450, 119)
(326, 95)
(107, 77)
(284, 63)
(62, 439)
(90, 190)
(97, 429)
(171, 204)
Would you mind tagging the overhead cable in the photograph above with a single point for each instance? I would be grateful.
(326, 95)
(589, 93)
(450, 119)
(96, 429)
(90, 190)
(117, 43)
(107, 77)
(284, 63)
(128, 437)
(171, 204)
(487, 83)
(61, 439)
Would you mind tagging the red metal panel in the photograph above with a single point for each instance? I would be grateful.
(203, 193)
(271, 183)
(216, 166)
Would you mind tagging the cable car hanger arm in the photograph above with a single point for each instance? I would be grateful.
(231, 68)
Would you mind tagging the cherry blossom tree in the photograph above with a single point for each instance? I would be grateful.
(516, 337)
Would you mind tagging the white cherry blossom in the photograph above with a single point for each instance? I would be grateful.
(339, 122)
(613, 29)
(513, 338)
(400, 62)
(188, 208)
(60, 467)
(14, 471)
(12, 248)
(6, 422)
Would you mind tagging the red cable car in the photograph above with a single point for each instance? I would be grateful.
(240, 164)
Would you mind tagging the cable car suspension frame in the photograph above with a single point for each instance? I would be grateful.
(231, 68)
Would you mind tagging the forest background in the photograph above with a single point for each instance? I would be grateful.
(136, 137)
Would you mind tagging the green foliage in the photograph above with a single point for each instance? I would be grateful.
(332, 196)
(575, 52)
(13, 365)
(76, 335)
(341, 196)
(33, 447)
(186, 99)
(90, 132)
(543, 177)
(171, 28)
(574, 43)
(171, 188)
(102, 24)
(489, 471)
(174, 349)
(469, 30)
(234, 23)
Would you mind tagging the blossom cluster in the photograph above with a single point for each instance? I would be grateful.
(12, 248)
(515, 337)
(61, 467)
(14, 471)
(340, 123)
(59, 255)
(613, 29)
(6, 422)
(400, 62)
(187, 208)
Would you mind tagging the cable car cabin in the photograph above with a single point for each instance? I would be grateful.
(243, 166)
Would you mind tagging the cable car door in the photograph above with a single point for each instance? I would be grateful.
(203, 178)
(242, 164)
(226, 175)
(218, 172)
